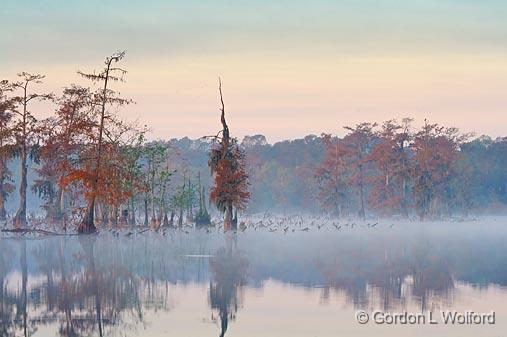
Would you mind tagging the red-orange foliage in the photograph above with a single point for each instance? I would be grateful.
(436, 151)
(332, 175)
(70, 149)
(358, 142)
(112, 177)
(391, 158)
(105, 137)
(231, 180)
(231, 185)
(227, 163)
(63, 138)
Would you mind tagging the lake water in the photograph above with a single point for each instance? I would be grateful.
(261, 282)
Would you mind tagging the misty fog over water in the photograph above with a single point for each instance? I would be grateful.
(294, 280)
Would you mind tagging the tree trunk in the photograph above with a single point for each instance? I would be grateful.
(235, 220)
(124, 218)
(228, 217)
(3, 213)
(180, 218)
(171, 222)
(404, 203)
(60, 210)
(362, 212)
(113, 217)
(225, 149)
(145, 211)
(87, 226)
(337, 199)
(132, 214)
(105, 214)
(20, 218)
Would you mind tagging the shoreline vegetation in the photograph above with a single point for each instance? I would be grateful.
(94, 170)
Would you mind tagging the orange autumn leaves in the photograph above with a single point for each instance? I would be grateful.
(112, 177)
(69, 152)
(231, 181)
(390, 168)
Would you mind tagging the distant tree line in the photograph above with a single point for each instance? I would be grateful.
(390, 169)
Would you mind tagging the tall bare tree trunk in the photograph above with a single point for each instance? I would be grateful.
(228, 217)
(404, 203)
(180, 219)
(20, 217)
(171, 222)
(145, 210)
(132, 213)
(60, 207)
(3, 213)
(234, 224)
(362, 212)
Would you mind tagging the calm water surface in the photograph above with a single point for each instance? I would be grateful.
(256, 283)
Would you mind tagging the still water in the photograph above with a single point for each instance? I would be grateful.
(255, 283)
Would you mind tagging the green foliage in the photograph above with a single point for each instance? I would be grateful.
(185, 197)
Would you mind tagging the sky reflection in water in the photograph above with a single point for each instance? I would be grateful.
(253, 283)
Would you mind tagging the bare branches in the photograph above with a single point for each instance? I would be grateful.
(109, 73)
(41, 97)
(94, 77)
(222, 117)
(5, 86)
(35, 78)
(214, 137)
(116, 57)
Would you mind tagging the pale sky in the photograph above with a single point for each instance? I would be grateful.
(289, 68)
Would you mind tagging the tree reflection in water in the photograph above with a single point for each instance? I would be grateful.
(7, 299)
(83, 296)
(229, 268)
(102, 285)
(386, 275)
